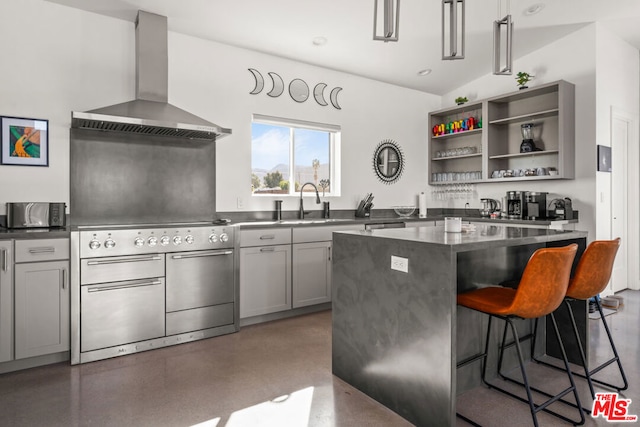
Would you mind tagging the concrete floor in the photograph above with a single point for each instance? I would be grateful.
(273, 374)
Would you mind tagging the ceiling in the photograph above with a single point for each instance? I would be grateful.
(287, 28)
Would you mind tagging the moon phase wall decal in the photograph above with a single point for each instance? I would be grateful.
(298, 89)
(278, 85)
(334, 97)
(259, 81)
(318, 94)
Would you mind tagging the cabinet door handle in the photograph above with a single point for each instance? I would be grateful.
(120, 261)
(204, 254)
(267, 249)
(329, 252)
(43, 250)
(125, 286)
(268, 237)
(5, 266)
(64, 277)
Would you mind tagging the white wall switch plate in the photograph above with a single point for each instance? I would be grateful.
(240, 203)
(399, 264)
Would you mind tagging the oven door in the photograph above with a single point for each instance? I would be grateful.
(199, 279)
(123, 312)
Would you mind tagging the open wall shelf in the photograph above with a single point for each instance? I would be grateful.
(550, 108)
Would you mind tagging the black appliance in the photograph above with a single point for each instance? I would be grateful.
(514, 204)
(527, 144)
(560, 209)
(535, 205)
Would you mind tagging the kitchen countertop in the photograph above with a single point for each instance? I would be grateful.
(485, 236)
(34, 233)
(248, 224)
(62, 232)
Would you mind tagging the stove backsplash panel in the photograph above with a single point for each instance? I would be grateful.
(130, 179)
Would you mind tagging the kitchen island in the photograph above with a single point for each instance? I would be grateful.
(397, 332)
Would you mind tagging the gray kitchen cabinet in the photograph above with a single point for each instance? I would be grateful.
(41, 284)
(311, 273)
(6, 300)
(312, 263)
(265, 271)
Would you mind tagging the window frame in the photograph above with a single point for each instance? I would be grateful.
(334, 132)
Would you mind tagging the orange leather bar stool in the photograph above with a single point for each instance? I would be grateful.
(590, 279)
(541, 291)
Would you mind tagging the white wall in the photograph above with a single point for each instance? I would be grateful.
(57, 59)
(617, 88)
(212, 80)
(76, 60)
(567, 59)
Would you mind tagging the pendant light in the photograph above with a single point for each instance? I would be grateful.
(504, 25)
(453, 45)
(390, 20)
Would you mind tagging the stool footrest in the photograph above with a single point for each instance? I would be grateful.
(543, 406)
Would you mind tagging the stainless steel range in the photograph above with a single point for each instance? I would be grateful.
(150, 286)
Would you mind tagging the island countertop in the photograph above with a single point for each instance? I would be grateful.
(485, 236)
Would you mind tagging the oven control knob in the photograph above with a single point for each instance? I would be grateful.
(213, 238)
(109, 243)
(177, 240)
(164, 240)
(189, 239)
(152, 241)
(224, 237)
(94, 244)
(139, 242)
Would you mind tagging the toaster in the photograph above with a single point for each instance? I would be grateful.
(36, 214)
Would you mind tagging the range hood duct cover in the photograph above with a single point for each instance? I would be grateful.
(149, 113)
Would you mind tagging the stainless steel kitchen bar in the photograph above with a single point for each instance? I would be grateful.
(397, 333)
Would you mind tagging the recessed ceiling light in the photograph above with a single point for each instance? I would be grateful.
(424, 72)
(533, 9)
(319, 41)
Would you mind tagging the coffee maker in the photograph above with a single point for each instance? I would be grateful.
(514, 204)
(535, 205)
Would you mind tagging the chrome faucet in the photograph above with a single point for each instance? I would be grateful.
(301, 203)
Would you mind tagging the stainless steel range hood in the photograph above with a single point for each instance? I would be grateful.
(149, 113)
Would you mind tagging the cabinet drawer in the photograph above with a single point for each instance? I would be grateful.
(321, 233)
(41, 250)
(265, 236)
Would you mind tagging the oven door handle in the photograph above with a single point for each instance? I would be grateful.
(199, 255)
(117, 287)
(119, 261)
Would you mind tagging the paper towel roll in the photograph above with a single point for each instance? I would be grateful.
(422, 205)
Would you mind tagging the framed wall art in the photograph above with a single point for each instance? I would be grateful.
(604, 158)
(25, 142)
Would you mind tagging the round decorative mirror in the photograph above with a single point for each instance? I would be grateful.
(388, 161)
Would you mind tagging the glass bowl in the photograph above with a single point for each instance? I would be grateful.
(404, 211)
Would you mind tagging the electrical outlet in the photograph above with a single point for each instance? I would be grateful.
(399, 264)
(240, 203)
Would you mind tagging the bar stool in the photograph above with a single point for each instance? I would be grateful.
(591, 277)
(541, 290)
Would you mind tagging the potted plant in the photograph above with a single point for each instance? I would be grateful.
(522, 78)
(461, 100)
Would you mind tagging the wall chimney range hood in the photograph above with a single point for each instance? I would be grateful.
(150, 113)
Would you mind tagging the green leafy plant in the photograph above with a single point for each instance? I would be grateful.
(523, 78)
(461, 100)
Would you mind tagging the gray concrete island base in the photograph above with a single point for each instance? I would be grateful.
(394, 332)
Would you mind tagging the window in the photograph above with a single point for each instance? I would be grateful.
(286, 154)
